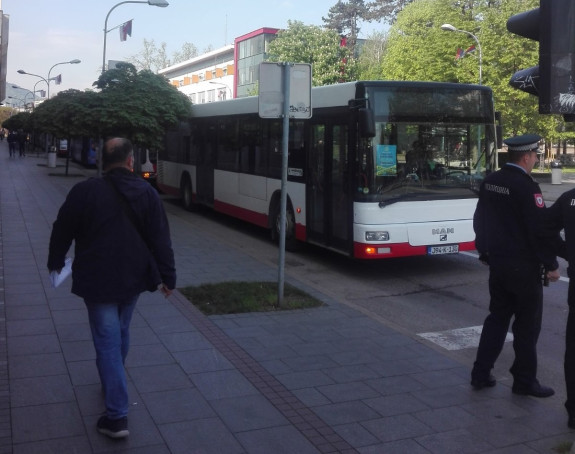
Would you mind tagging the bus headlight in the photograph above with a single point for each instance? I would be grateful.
(376, 236)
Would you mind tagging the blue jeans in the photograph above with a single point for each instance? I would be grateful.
(110, 326)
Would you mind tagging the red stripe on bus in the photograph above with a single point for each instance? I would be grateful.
(398, 250)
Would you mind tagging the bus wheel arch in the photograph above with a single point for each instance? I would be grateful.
(186, 192)
(292, 244)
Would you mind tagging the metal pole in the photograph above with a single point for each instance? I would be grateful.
(285, 145)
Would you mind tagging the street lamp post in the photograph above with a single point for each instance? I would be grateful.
(160, 3)
(451, 28)
(73, 62)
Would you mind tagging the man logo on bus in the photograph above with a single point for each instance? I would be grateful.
(442, 231)
(443, 238)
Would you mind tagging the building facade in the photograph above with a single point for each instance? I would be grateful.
(229, 72)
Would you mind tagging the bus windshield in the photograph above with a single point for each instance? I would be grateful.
(427, 145)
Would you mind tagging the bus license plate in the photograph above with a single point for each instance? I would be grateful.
(447, 249)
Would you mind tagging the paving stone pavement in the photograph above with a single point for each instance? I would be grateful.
(325, 380)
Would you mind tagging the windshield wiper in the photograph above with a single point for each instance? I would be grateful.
(399, 198)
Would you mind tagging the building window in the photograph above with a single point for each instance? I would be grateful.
(211, 95)
(201, 97)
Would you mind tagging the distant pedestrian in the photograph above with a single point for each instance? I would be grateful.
(122, 248)
(22, 139)
(12, 143)
(2, 134)
(508, 224)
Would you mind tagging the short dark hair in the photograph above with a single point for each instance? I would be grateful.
(116, 151)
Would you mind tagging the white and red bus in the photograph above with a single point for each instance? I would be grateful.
(382, 169)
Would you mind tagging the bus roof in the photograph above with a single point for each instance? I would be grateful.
(324, 96)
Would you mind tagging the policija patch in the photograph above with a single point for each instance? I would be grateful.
(539, 200)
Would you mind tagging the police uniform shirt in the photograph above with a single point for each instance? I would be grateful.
(509, 217)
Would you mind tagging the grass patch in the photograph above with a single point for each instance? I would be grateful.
(240, 297)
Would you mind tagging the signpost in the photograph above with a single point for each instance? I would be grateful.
(285, 92)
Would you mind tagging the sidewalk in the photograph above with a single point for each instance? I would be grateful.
(324, 380)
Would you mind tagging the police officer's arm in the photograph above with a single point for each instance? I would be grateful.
(544, 246)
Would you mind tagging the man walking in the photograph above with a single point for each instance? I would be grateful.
(122, 248)
(508, 224)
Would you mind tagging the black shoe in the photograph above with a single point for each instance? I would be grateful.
(113, 428)
(480, 383)
(535, 390)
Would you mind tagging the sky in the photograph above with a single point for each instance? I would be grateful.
(46, 32)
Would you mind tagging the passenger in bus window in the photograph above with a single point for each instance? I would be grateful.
(508, 224)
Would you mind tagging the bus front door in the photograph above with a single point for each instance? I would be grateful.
(327, 193)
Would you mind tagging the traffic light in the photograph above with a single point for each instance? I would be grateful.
(553, 80)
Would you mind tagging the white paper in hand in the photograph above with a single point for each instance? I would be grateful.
(57, 278)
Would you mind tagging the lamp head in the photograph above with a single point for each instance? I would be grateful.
(75, 61)
(21, 71)
(448, 28)
(160, 3)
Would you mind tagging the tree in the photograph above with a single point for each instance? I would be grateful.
(343, 17)
(386, 10)
(154, 58)
(188, 52)
(19, 121)
(417, 49)
(299, 43)
(139, 105)
(371, 56)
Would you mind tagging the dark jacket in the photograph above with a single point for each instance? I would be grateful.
(561, 215)
(508, 220)
(111, 261)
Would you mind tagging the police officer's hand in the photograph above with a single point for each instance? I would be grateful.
(554, 275)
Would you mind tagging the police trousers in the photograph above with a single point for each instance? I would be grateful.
(516, 291)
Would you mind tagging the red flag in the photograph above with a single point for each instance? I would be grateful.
(470, 49)
(459, 54)
(125, 30)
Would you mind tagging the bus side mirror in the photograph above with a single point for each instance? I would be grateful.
(366, 123)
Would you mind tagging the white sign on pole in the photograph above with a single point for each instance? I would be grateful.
(271, 91)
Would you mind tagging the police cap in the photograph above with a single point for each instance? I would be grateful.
(526, 142)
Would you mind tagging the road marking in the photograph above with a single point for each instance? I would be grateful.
(458, 339)
(471, 254)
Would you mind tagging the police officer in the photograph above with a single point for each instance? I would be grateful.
(562, 216)
(508, 224)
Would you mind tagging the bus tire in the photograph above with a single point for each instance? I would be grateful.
(292, 244)
(187, 195)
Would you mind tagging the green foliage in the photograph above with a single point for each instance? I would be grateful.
(371, 56)
(386, 10)
(301, 43)
(417, 49)
(18, 121)
(140, 106)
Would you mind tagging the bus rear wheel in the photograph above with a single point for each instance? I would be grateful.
(187, 196)
(292, 244)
